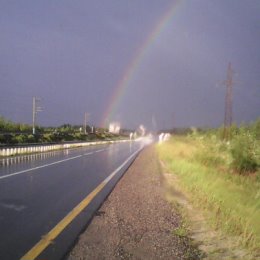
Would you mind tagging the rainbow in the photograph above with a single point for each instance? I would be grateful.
(135, 63)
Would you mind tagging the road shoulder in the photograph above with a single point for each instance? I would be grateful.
(136, 222)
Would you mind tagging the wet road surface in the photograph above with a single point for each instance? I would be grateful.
(38, 191)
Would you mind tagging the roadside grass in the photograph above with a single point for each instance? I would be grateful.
(181, 231)
(231, 200)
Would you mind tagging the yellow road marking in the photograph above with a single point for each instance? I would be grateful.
(48, 238)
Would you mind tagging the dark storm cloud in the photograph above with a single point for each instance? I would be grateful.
(73, 53)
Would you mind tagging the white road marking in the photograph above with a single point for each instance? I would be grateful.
(49, 164)
(50, 237)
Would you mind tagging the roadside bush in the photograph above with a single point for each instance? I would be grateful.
(31, 139)
(48, 138)
(20, 139)
(209, 158)
(66, 137)
(210, 152)
(8, 138)
(23, 128)
(2, 139)
(243, 148)
(231, 200)
(80, 137)
(256, 129)
(100, 136)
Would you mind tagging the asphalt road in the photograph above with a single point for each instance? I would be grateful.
(38, 192)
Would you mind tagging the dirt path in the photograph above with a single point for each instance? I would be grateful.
(136, 222)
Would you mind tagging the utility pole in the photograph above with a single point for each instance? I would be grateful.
(36, 109)
(228, 102)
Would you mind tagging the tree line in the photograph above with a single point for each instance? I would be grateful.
(19, 133)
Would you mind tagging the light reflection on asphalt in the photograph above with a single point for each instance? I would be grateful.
(5, 162)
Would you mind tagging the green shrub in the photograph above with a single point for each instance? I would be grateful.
(208, 156)
(256, 129)
(7, 138)
(20, 139)
(48, 138)
(210, 150)
(31, 138)
(79, 136)
(230, 200)
(243, 149)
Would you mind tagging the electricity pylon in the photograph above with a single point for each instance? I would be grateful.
(228, 102)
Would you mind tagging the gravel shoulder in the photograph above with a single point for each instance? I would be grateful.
(136, 221)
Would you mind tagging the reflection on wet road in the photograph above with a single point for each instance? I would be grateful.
(31, 157)
(38, 191)
(17, 163)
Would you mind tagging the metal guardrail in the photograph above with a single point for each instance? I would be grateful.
(37, 144)
(38, 148)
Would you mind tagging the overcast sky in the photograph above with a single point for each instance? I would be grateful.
(72, 54)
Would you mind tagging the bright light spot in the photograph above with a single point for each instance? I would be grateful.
(114, 128)
(145, 140)
(142, 130)
(164, 137)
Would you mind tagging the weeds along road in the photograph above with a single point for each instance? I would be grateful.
(47, 199)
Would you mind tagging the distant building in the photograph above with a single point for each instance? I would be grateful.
(114, 128)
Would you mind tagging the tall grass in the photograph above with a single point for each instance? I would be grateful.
(205, 168)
